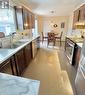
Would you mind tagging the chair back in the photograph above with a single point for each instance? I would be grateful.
(51, 37)
(2, 35)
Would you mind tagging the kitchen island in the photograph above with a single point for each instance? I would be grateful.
(13, 85)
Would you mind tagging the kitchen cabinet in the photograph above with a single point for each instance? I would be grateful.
(5, 67)
(28, 54)
(19, 17)
(29, 19)
(32, 20)
(75, 18)
(35, 46)
(24, 18)
(20, 61)
(9, 67)
(79, 15)
(17, 63)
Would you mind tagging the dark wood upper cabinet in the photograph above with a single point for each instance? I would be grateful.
(24, 18)
(33, 20)
(29, 19)
(75, 17)
(19, 17)
(79, 15)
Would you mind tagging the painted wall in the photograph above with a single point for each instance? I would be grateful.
(45, 24)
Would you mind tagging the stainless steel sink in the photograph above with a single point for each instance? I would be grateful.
(14, 45)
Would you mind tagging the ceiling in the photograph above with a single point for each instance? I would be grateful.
(52, 7)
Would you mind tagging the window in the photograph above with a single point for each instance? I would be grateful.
(7, 24)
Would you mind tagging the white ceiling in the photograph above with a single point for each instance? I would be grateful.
(60, 7)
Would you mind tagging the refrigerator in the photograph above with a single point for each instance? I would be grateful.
(80, 77)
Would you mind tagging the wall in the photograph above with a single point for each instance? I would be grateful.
(46, 24)
(40, 23)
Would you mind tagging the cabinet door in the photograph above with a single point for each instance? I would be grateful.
(5, 67)
(33, 20)
(83, 12)
(26, 19)
(14, 65)
(28, 54)
(20, 61)
(19, 17)
(76, 17)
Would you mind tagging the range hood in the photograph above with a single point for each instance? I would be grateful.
(80, 25)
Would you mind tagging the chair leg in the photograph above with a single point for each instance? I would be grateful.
(47, 43)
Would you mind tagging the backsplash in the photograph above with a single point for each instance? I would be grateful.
(6, 41)
(76, 33)
(25, 33)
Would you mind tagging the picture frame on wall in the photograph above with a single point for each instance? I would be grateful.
(62, 25)
(55, 25)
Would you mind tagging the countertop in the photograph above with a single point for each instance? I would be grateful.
(76, 40)
(13, 85)
(7, 53)
(80, 44)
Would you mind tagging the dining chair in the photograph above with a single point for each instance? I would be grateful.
(51, 38)
(2, 34)
(59, 38)
(43, 37)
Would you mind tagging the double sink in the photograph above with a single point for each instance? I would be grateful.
(14, 45)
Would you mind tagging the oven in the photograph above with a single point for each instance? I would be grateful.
(69, 49)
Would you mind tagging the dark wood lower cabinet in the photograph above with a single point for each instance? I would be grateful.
(17, 63)
(5, 67)
(20, 61)
(28, 54)
(8, 66)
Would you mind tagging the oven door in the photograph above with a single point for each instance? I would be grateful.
(69, 50)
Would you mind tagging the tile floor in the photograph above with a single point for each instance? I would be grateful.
(47, 66)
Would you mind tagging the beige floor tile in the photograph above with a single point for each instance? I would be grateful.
(46, 67)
